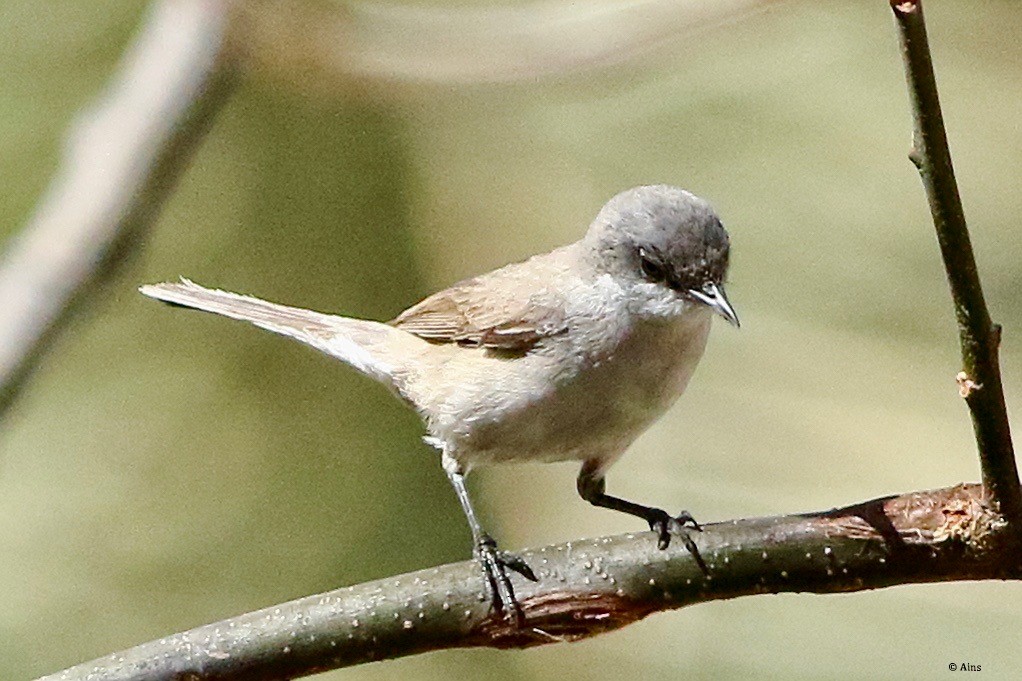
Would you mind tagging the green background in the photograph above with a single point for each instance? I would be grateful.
(166, 469)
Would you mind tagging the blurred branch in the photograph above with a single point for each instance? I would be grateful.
(329, 44)
(980, 380)
(586, 588)
(120, 162)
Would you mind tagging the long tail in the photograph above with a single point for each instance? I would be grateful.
(362, 344)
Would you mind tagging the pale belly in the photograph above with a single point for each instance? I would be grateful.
(522, 409)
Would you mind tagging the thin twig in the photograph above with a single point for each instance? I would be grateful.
(586, 588)
(122, 158)
(980, 380)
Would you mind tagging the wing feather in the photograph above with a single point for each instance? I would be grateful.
(501, 310)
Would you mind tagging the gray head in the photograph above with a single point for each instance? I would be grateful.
(667, 246)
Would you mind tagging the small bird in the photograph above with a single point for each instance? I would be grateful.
(567, 356)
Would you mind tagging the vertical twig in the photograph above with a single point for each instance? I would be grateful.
(980, 380)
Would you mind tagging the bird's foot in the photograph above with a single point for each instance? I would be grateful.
(666, 526)
(495, 565)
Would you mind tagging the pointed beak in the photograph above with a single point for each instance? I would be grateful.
(713, 296)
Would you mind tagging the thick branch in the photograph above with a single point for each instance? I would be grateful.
(121, 160)
(980, 379)
(586, 588)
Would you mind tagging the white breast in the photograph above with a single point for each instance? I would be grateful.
(585, 395)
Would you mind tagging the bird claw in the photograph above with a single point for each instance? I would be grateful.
(495, 565)
(518, 564)
(665, 527)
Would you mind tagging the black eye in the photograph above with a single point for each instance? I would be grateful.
(653, 270)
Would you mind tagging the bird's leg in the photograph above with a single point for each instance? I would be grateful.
(495, 563)
(592, 487)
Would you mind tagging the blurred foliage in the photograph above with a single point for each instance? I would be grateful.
(165, 469)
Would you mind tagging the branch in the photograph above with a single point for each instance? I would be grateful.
(586, 588)
(390, 45)
(121, 160)
(980, 379)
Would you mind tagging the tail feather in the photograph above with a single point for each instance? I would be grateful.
(350, 340)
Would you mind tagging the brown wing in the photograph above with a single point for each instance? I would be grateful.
(495, 311)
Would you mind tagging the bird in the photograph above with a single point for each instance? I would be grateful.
(569, 355)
